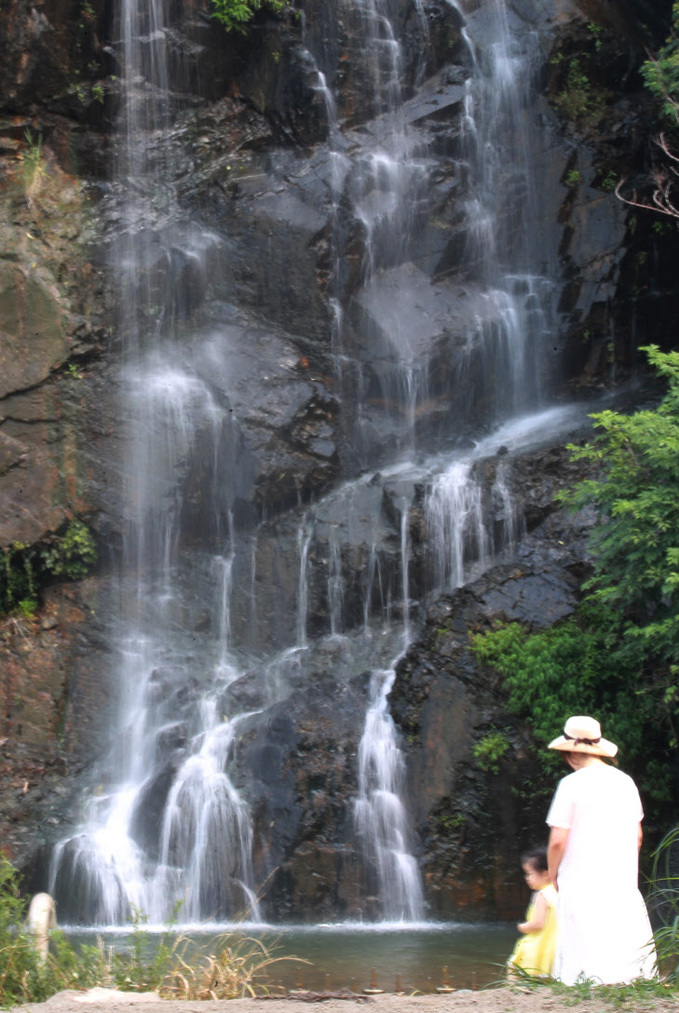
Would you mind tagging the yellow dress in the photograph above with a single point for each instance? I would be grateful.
(534, 952)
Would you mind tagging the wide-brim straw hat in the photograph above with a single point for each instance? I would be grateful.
(583, 735)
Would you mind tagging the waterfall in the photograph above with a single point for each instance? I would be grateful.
(516, 318)
(303, 540)
(381, 818)
(228, 613)
(174, 742)
(457, 524)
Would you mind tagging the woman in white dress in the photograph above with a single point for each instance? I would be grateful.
(604, 933)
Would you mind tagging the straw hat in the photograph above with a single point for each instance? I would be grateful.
(583, 735)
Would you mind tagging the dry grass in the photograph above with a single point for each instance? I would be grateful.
(237, 967)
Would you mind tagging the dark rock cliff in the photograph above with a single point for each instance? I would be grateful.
(252, 162)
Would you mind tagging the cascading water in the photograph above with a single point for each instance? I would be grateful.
(220, 620)
(516, 315)
(381, 819)
(200, 856)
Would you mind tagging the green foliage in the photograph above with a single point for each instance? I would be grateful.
(609, 181)
(663, 901)
(33, 166)
(235, 15)
(25, 978)
(636, 543)
(489, 751)
(662, 228)
(18, 591)
(573, 178)
(618, 658)
(448, 823)
(227, 972)
(27, 608)
(641, 994)
(24, 568)
(596, 32)
(578, 99)
(661, 73)
(573, 668)
(73, 555)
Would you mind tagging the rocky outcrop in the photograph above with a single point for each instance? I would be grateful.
(55, 712)
(475, 820)
(50, 325)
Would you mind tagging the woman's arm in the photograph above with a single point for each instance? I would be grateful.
(538, 920)
(558, 839)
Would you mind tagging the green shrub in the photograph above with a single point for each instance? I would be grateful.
(236, 14)
(578, 99)
(24, 569)
(489, 751)
(73, 555)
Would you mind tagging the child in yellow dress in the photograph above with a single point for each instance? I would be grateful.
(534, 952)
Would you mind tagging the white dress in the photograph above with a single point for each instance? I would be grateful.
(604, 933)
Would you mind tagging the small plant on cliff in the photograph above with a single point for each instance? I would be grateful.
(489, 751)
(73, 555)
(573, 179)
(578, 99)
(33, 167)
(18, 591)
(235, 15)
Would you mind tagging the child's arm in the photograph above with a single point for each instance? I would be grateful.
(538, 920)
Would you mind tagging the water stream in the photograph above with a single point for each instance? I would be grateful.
(171, 822)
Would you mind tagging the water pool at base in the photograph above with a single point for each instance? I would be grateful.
(343, 956)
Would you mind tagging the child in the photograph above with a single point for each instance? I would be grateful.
(534, 953)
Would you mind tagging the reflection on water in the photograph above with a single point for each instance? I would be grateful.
(343, 956)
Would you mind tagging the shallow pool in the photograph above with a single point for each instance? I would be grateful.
(344, 956)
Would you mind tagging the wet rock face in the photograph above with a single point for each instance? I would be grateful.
(54, 719)
(44, 48)
(473, 824)
(50, 323)
(302, 771)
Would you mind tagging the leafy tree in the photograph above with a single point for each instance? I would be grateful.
(619, 656)
(235, 15)
(636, 542)
(661, 77)
(661, 72)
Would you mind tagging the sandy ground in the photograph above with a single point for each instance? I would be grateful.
(516, 999)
